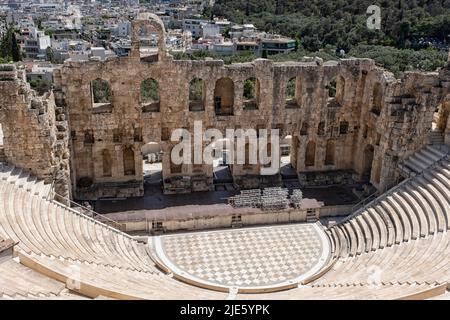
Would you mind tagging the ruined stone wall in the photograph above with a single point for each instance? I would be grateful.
(371, 122)
(34, 138)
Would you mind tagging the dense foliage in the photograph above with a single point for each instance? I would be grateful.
(393, 59)
(342, 23)
(9, 48)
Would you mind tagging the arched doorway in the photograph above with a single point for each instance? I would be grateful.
(222, 160)
(310, 154)
(330, 152)
(152, 166)
(129, 166)
(367, 161)
(107, 163)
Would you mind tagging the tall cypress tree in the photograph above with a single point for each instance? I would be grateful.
(15, 49)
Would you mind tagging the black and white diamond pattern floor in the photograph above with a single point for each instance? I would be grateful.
(261, 257)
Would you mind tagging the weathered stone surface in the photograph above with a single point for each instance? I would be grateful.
(370, 123)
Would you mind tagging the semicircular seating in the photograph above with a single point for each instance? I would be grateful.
(396, 247)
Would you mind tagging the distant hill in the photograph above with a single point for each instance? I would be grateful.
(342, 23)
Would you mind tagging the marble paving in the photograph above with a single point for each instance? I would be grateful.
(248, 257)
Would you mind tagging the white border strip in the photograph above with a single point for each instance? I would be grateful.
(321, 262)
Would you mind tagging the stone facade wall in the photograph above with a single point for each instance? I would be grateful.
(359, 132)
(372, 121)
(34, 136)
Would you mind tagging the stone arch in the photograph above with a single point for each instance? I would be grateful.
(129, 165)
(197, 94)
(377, 97)
(107, 163)
(149, 95)
(310, 154)
(321, 128)
(153, 23)
(293, 93)
(330, 152)
(224, 96)
(251, 93)
(100, 92)
(367, 161)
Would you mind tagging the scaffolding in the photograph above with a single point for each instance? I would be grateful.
(268, 199)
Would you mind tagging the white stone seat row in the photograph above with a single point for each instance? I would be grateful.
(94, 280)
(384, 292)
(44, 227)
(419, 208)
(419, 261)
(422, 159)
(16, 279)
(24, 179)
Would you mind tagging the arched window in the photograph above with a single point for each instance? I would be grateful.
(321, 129)
(128, 162)
(150, 95)
(310, 154)
(343, 127)
(376, 99)
(107, 163)
(224, 96)
(101, 92)
(330, 151)
(89, 136)
(196, 95)
(304, 129)
(331, 88)
(293, 93)
(251, 94)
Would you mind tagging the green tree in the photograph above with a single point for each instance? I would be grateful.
(249, 88)
(40, 85)
(49, 54)
(15, 49)
(9, 48)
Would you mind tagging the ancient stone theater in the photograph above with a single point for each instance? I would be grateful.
(90, 196)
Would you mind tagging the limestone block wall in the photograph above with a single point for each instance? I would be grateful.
(370, 122)
(34, 130)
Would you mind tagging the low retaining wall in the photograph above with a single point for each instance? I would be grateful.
(230, 221)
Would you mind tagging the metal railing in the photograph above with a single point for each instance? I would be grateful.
(387, 193)
(86, 212)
